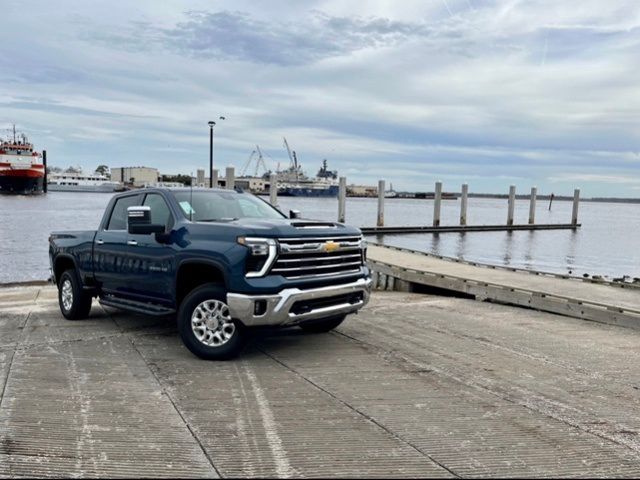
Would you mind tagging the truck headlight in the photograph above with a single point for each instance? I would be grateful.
(262, 253)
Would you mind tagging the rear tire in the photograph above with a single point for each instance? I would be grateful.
(322, 326)
(75, 303)
(206, 327)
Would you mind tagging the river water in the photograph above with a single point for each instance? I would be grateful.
(606, 245)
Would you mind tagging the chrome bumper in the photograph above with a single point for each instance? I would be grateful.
(278, 306)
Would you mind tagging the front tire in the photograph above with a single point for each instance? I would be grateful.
(206, 327)
(75, 303)
(322, 326)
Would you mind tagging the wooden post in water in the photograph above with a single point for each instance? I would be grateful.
(437, 202)
(213, 181)
(576, 201)
(381, 189)
(532, 206)
(46, 175)
(463, 204)
(512, 204)
(230, 178)
(273, 189)
(551, 201)
(342, 199)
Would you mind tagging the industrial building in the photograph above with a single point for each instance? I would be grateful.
(135, 176)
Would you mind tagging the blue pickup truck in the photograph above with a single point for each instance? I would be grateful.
(222, 261)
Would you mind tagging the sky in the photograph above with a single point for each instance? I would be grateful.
(491, 93)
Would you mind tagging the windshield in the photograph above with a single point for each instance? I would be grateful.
(200, 206)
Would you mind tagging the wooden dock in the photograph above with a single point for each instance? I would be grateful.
(400, 269)
(467, 228)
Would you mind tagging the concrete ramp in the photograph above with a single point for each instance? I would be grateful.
(618, 305)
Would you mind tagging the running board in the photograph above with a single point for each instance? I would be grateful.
(138, 307)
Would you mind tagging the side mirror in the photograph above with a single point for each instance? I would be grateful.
(139, 221)
(295, 214)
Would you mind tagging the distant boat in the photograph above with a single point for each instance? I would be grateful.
(391, 193)
(293, 182)
(21, 168)
(77, 181)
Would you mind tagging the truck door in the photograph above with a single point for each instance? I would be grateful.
(152, 257)
(110, 248)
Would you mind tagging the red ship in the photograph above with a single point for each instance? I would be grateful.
(21, 169)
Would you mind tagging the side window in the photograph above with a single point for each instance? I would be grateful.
(118, 220)
(160, 213)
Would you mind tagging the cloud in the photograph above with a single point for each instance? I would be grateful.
(454, 90)
(228, 35)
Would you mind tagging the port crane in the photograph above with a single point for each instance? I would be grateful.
(293, 158)
(259, 162)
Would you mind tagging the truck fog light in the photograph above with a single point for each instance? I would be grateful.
(259, 307)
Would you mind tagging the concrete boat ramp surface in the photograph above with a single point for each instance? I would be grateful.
(414, 386)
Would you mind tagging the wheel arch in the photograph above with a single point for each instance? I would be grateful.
(61, 263)
(192, 273)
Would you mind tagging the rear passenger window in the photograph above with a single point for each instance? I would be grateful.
(118, 220)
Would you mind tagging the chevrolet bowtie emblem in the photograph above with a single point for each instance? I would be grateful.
(331, 246)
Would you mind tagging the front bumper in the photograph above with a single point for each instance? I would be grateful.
(279, 308)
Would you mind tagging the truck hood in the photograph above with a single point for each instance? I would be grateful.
(288, 228)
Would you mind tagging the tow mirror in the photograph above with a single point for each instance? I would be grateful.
(295, 214)
(139, 221)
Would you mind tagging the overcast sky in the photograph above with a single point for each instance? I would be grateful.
(487, 92)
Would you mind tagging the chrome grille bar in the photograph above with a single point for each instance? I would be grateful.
(309, 257)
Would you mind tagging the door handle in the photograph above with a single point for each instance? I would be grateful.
(133, 243)
(100, 242)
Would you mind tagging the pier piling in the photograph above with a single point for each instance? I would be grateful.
(576, 202)
(463, 204)
(273, 189)
(342, 196)
(230, 178)
(44, 162)
(532, 205)
(381, 189)
(512, 204)
(437, 202)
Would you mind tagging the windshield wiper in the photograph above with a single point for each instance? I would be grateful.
(224, 219)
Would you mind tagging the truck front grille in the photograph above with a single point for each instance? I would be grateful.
(318, 257)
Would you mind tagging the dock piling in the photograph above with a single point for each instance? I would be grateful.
(463, 204)
(576, 202)
(532, 205)
(230, 178)
(342, 197)
(273, 189)
(381, 189)
(512, 204)
(437, 202)
(44, 180)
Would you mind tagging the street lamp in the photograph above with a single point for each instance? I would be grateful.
(211, 125)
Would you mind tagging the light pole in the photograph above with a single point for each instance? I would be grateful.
(211, 125)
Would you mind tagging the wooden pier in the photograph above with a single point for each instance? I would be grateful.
(401, 269)
(467, 228)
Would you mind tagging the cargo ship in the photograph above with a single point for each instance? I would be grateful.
(293, 182)
(21, 168)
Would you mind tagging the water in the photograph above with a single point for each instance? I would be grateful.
(606, 244)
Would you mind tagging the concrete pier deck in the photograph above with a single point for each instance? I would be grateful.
(619, 305)
(413, 386)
